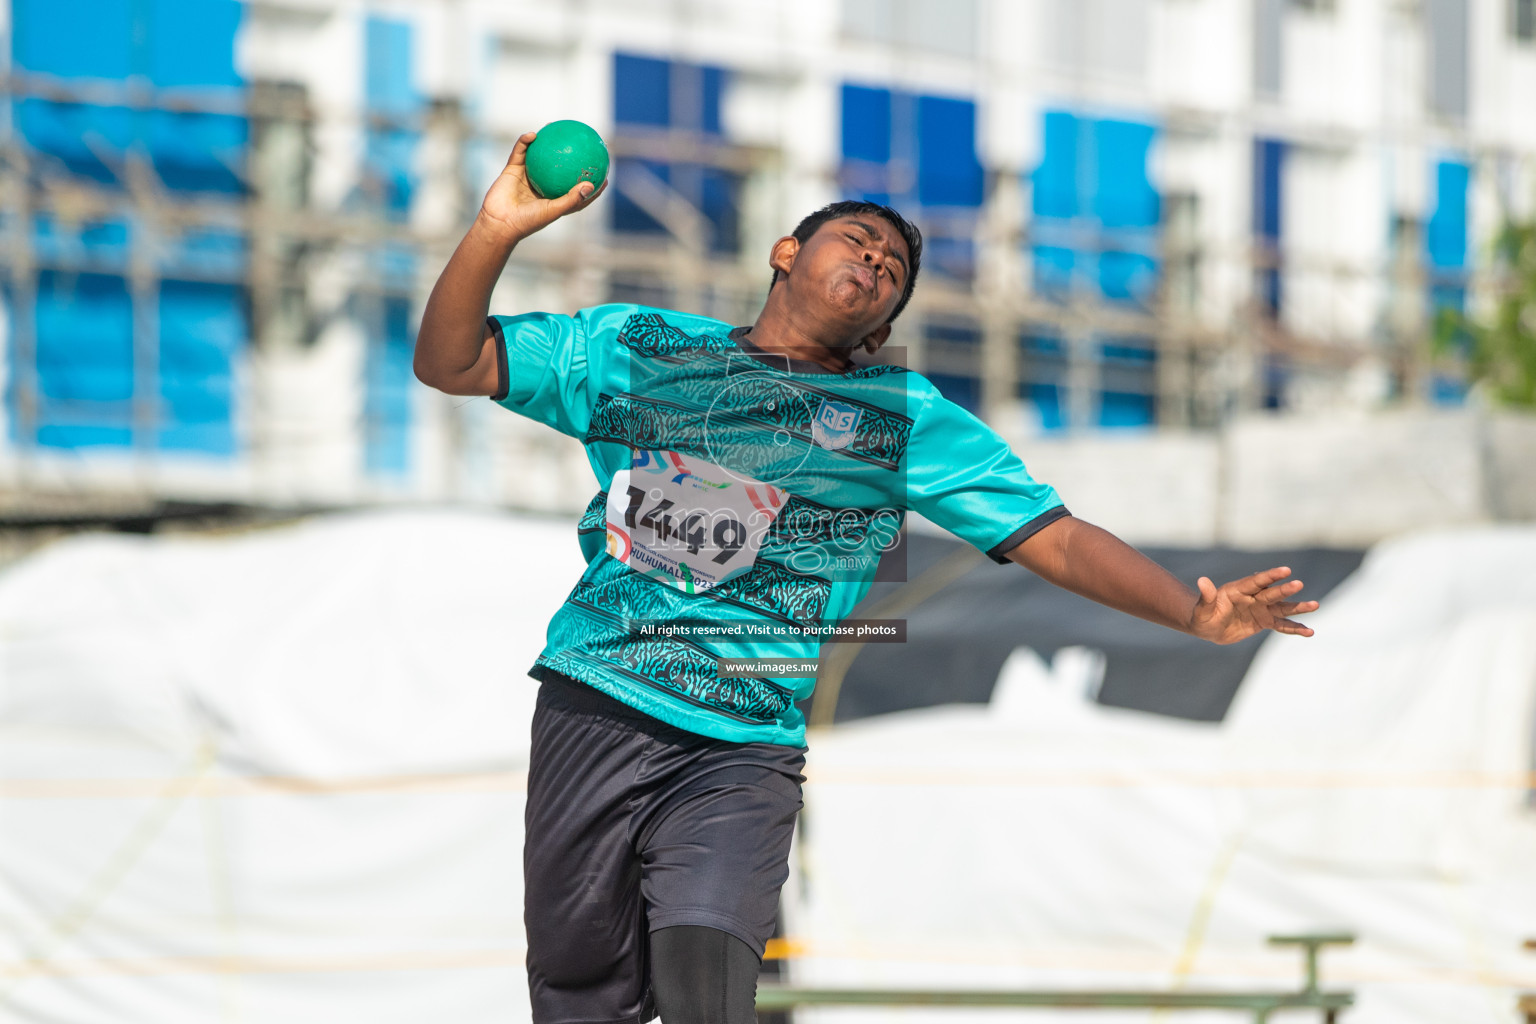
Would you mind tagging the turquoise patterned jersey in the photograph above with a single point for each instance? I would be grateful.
(744, 491)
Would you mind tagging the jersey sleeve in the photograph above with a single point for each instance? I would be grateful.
(961, 475)
(552, 367)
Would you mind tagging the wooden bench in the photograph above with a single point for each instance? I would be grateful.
(771, 998)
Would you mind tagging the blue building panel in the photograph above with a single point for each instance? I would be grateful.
(1445, 235)
(389, 90)
(390, 385)
(86, 371)
(1120, 410)
(642, 90)
(1096, 213)
(79, 39)
(1268, 216)
(202, 334)
(84, 338)
(1055, 179)
(1123, 196)
(652, 93)
(84, 362)
(948, 171)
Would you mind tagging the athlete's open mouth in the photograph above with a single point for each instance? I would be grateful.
(864, 275)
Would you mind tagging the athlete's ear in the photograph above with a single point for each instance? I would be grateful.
(875, 338)
(782, 256)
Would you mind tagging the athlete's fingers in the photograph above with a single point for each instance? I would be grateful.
(579, 194)
(1207, 589)
(1292, 627)
(1251, 585)
(1288, 608)
(519, 155)
(1269, 595)
(594, 195)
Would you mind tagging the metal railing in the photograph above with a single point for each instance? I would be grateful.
(1261, 1004)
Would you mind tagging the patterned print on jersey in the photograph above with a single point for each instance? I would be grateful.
(647, 334)
(593, 519)
(851, 451)
(701, 428)
(778, 592)
(680, 668)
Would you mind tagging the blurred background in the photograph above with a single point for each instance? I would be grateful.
(1245, 280)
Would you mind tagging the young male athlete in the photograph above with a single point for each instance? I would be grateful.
(749, 479)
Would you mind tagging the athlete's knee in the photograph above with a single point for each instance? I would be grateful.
(703, 976)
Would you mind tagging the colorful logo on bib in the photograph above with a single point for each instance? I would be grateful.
(834, 424)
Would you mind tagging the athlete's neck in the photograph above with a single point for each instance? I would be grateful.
(772, 333)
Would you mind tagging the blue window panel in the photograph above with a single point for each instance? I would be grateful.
(84, 337)
(390, 156)
(84, 361)
(866, 143)
(948, 172)
(952, 334)
(202, 252)
(388, 389)
(390, 153)
(387, 85)
(642, 91)
(628, 216)
(192, 42)
(713, 85)
(644, 88)
(866, 130)
(199, 152)
(1046, 398)
(174, 44)
(89, 39)
(1268, 166)
(104, 244)
(1123, 195)
(721, 205)
(1048, 346)
(1128, 353)
(1121, 409)
(1268, 162)
(949, 255)
(1055, 192)
(963, 391)
(1092, 183)
(64, 434)
(1445, 236)
(78, 39)
(193, 45)
(203, 332)
(1127, 276)
(1053, 271)
(60, 130)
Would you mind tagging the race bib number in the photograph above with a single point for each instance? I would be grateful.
(687, 522)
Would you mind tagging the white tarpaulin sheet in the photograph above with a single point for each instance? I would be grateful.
(272, 777)
(276, 776)
(1371, 779)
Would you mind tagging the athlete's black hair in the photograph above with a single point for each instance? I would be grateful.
(848, 208)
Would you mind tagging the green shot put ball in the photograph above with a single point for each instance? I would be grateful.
(564, 154)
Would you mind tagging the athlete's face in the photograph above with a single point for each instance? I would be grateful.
(853, 269)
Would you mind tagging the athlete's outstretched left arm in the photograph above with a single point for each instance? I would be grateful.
(1086, 560)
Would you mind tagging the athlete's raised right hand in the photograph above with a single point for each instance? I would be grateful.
(511, 206)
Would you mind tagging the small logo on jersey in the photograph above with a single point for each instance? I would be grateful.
(834, 424)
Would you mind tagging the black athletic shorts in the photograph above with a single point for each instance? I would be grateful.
(633, 825)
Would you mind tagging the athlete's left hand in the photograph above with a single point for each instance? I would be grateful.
(1237, 610)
